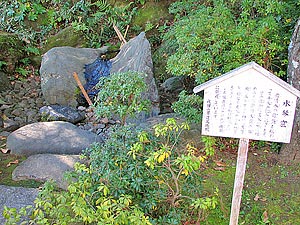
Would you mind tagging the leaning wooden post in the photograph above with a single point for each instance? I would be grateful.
(239, 180)
(82, 89)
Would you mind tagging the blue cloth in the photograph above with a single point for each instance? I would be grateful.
(93, 72)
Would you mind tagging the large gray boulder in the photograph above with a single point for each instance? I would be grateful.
(59, 64)
(56, 137)
(135, 55)
(57, 68)
(46, 167)
(16, 197)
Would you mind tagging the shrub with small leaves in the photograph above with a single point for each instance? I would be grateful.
(87, 201)
(214, 37)
(121, 95)
(189, 106)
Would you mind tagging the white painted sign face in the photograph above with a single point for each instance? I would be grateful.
(251, 106)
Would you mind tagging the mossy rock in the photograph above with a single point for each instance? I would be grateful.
(65, 37)
(11, 48)
(42, 20)
(152, 12)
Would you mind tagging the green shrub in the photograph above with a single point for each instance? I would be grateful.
(121, 95)
(189, 106)
(160, 174)
(133, 177)
(218, 36)
(87, 201)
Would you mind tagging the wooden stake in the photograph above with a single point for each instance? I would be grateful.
(126, 31)
(119, 34)
(82, 89)
(239, 180)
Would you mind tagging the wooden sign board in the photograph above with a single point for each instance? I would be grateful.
(251, 103)
(247, 103)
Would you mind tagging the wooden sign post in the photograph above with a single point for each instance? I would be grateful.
(239, 180)
(247, 103)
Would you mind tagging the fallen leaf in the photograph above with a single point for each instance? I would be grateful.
(263, 199)
(13, 162)
(104, 120)
(256, 198)
(204, 166)
(220, 163)
(265, 217)
(219, 168)
(4, 150)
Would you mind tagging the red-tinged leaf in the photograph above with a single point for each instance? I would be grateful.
(263, 199)
(256, 198)
(4, 150)
(13, 162)
(220, 163)
(265, 217)
(219, 168)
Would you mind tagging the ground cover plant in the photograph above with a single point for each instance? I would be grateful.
(148, 177)
(133, 178)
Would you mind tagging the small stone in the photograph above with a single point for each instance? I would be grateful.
(18, 119)
(9, 99)
(5, 107)
(23, 104)
(81, 108)
(99, 131)
(105, 120)
(10, 125)
(63, 113)
(8, 111)
(90, 114)
(18, 86)
(31, 115)
(87, 126)
(100, 126)
(4, 133)
(17, 112)
(112, 122)
(39, 103)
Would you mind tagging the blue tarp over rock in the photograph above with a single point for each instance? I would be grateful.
(93, 72)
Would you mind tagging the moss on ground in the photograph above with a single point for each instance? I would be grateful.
(271, 193)
(8, 163)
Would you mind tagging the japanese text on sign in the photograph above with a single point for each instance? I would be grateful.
(241, 109)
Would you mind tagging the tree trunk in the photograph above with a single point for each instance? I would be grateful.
(291, 152)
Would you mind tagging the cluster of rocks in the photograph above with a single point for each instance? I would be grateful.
(20, 105)
(43, 122)
(67, 129)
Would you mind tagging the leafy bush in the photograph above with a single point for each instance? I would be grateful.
(217, 36)
(189, 106)
(131, 174)
(121, 94)
(93, 18)
(86, 201)
(160, 174)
